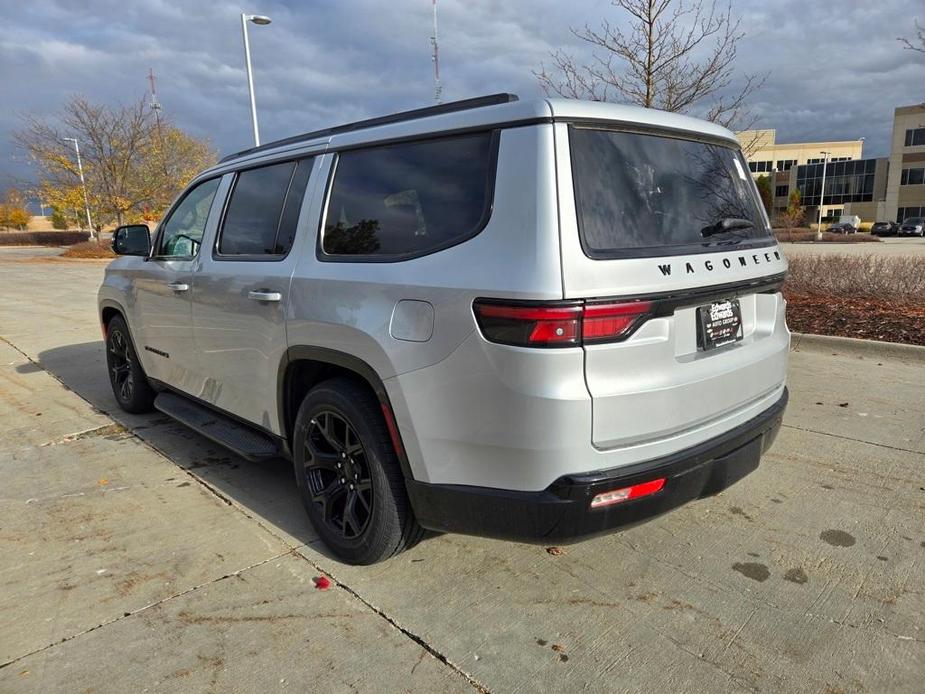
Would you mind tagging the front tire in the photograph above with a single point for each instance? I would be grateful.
(128, 380)
(349, 476)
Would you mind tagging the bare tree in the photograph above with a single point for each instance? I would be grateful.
(132, 168)
(674, 56)
(910, 44)
(794, 215)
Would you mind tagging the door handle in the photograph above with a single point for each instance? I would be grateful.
(178, 286)
(261, 295)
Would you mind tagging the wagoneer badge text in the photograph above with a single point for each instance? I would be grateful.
(727, 263)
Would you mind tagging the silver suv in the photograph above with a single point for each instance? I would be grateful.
(536, 320)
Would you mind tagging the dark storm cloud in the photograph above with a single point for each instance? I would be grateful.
(836, 70)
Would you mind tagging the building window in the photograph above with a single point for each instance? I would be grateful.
(785, 164)
(760, 166)
(845, 181)
(915, 137)
(780, 191)
(912, 177)
(904, 213)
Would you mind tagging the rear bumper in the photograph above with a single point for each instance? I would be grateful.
(562, 511)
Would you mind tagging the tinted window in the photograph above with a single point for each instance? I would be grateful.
(293, 206)
(642, 194)
(181, 232)
(264, 209)
(410, 198)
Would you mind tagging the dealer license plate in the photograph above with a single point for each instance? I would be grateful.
(719, 324)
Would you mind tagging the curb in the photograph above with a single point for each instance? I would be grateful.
(854, 347)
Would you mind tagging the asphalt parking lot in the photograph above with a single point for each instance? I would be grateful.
(137, 556)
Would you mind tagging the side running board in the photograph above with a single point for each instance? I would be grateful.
(240, 438)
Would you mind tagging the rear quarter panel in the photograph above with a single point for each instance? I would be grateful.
(348, 306)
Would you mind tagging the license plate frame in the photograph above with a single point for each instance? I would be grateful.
(719, 324)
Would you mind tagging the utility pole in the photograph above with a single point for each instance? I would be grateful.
(155, 104)
(83, 184)
(438, 89)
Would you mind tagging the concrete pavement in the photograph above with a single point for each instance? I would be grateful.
(139, 556)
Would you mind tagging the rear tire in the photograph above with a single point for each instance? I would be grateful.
(128, 380)
(349, 476)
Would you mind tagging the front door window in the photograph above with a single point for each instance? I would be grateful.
(181, 233)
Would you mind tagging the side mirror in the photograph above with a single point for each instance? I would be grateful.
(132, 239)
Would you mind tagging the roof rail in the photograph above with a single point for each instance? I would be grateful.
(450, 107)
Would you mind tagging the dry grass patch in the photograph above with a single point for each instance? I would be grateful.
(870, 297)
(894, 278)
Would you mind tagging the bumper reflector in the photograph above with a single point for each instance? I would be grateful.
(627, 493)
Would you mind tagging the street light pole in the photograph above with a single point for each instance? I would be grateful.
(825, 161)
(259, 20)
(83, 184)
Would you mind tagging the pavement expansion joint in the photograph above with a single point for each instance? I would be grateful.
(143, 608)
(404, 630)
(849, 438)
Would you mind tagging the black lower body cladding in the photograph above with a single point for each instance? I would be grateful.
(562, 512)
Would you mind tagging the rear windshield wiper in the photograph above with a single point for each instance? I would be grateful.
(726, 224)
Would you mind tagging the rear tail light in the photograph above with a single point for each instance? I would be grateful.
(530, 326)
(626, 493)
(558, 324)
(608, 322)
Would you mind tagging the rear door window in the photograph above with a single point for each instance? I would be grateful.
(647, 195)
(263, 210)
(409, 199)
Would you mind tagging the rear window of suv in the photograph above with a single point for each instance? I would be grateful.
(404, 200)
(643, 195)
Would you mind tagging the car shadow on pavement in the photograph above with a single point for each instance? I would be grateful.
(264, 490)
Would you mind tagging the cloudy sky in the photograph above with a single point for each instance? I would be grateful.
(836, 69)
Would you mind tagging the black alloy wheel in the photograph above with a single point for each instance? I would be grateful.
(349, 476)
(337, 474)
(120, 366)
(129, 383)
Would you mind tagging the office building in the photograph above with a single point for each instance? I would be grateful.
(905, 190)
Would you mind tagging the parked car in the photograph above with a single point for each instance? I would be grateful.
(884, 228)
(535, 320)
(843, 228)
(912, 226)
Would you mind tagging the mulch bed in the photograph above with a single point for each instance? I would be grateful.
(89, 249)
(867, 319)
